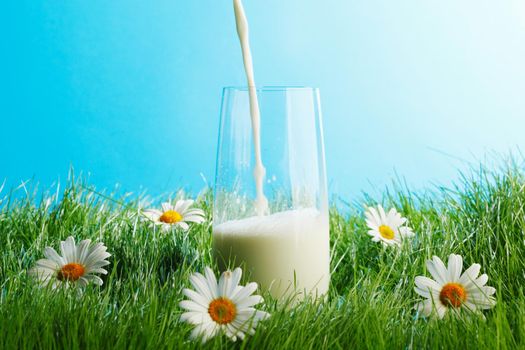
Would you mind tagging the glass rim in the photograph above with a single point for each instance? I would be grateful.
(271, 88)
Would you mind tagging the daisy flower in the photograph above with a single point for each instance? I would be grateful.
(221, 307)
(177, 215)
(451, 290)
(77, 265)
(387, 228)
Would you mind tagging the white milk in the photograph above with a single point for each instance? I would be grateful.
(286, 252)
(279, 249)
(261, 203)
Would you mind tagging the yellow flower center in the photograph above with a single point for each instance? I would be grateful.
(170, 217)
(71, 272)
(386, 232)
(222, 310)
(453, 294)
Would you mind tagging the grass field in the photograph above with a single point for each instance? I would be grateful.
(371, 298)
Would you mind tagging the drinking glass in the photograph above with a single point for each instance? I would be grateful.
(287, 250)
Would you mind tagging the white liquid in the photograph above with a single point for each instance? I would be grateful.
(280, 250)
(261, 203)
(287, 253)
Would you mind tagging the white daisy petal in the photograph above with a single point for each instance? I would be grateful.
(382, 214)
(441, 310)
(231, 332)
(250, 301)
(192, 306)
(438, 270)
(401, 220)
(95, 279)
(488, 290)
(261, 315)
(93, 249)
(225, 283)
(198, 331)
(453, 291)
(82, 281)
(167, 207)
(184, 205)
(406, 232)
(483, 302)
(96, 265)
(201, 286)
(211, 330)
(77, 265)
(196, 297)
(152, 214)
(228, 310)
(195, 317)
(178, 205)
(183, 215)
(372, 225)
(194, 218)
(481, 280)
(96, 259)
(194, 211)
(83, 249)
(236, 290)
(236, 278)
(238, 333)
(212, 282)
(244, 292)
(183, 225)
(387, 228)
(47, 263)
(246, 313)
(471, 307)
(69, 250)
(41, 274)
(387, 243)
(426, 287)
(52, 254)
(244, 320)
(470, 274)
(99, 270)
(455, 266)
(374, 215)
(425, 308)
(368, 215)
(393, 216)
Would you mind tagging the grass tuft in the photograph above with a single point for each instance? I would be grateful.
(371, 299)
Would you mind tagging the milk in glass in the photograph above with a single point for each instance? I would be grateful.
(286, 252)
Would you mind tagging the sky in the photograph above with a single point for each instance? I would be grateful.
(129, 91)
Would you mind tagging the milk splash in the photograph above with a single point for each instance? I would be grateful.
(261, 203)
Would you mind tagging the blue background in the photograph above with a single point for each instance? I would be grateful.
(129, 91)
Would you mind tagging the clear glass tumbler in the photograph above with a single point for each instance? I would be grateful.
(286, 251)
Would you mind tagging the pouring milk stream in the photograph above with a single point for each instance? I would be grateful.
(261, 203)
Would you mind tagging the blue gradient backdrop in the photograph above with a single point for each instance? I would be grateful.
(129, 91)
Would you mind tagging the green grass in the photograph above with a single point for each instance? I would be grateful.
(371, 298)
